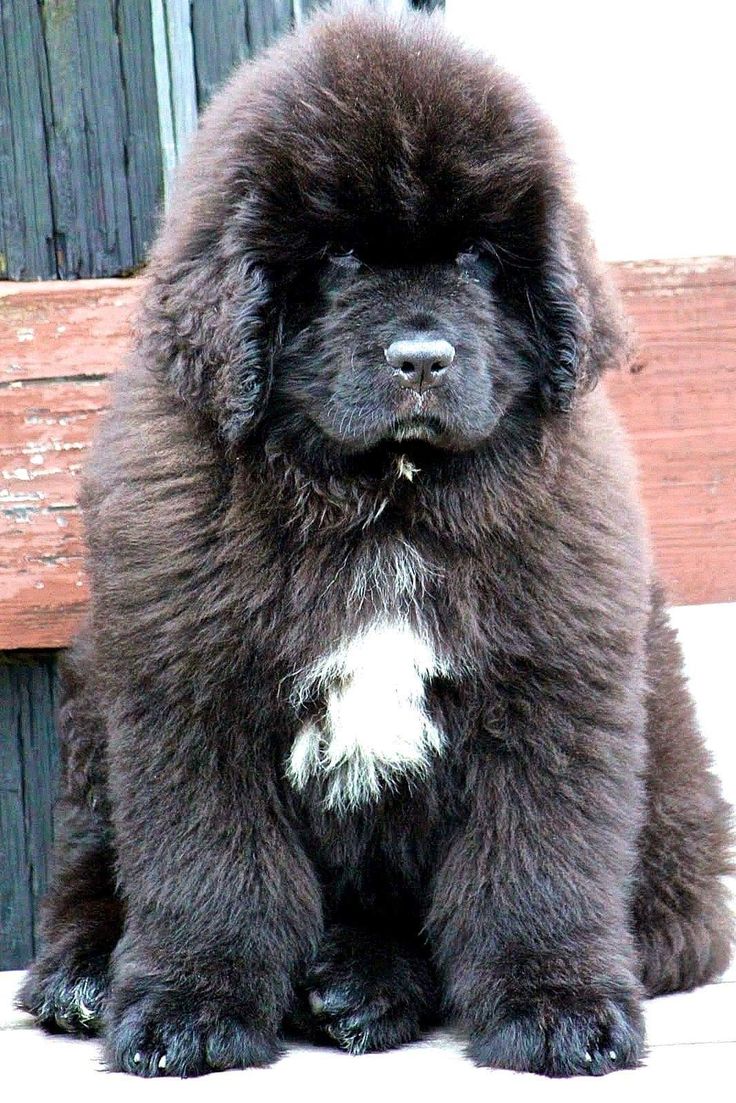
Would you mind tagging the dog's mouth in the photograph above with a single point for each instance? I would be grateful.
(423, 427)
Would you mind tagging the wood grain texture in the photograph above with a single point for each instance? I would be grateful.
(98, 101)
(267, 19)
(26, 214)
(28, 770)
(181, 72)
(87, 139)
(59, 342)
(678, 400)
(142, 125)
(219, 44)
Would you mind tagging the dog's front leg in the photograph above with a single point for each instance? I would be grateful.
(530, 916)
(223, 907)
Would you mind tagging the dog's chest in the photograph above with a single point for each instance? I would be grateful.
(371, 724)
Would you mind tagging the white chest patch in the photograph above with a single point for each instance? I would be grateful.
(375, 725)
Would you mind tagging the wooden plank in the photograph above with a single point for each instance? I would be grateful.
(16, 905)
(678, 401)
(267, 19)
(142, 129)
(28, 771)
(163, 93)
(181, 72)
(58, 342)
(26, 214)
(87, 139)
(79, 327)
(220, 43)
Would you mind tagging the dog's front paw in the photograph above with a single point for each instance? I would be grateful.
(365, 993)
(172, 1033)
(359, 1020)
(66, 996)
(564, 1035)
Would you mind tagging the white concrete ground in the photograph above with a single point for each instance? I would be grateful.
(692, 1037)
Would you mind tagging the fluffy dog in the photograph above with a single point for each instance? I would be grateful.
(377, 720)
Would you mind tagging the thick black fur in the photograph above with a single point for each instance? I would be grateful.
(263, 489)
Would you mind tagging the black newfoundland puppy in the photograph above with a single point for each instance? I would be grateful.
(378, 720)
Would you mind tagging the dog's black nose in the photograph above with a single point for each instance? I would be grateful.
(420, 362)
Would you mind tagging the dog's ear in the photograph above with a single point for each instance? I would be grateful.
(578, 324)
(205, 327)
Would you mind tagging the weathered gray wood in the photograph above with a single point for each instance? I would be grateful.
(163, 92)
(28, 770)
(267, 19)
(181, 72)
(220, 36)
(16, 909)
(303, 9)
(145, 162)
(86, 134)
(26, 215)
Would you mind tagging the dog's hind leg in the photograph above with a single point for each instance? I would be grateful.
(681, 915)
(81, 915)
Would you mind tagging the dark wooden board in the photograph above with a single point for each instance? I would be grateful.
(87, 139)
(28, 771)
(26, 215)
(220, 43)
(267, 19)
(144, 161)
(58, 343)
(98, 99)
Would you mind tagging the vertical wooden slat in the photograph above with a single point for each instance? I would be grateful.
(220, 42)
(181, 72)
(37, 704)
(16, 910)
(144, 160)
(67, 152)
(26, 214)
(266, 20)
(163, 92)
(87, 157)
(176, 84)
(304, 8)
(28, 771)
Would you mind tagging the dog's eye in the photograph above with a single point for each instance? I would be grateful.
(346, 262)
(477, 265)
(469, 256)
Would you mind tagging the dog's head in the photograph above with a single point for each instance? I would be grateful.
(375, 242)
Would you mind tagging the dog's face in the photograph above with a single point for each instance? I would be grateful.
(379, 248)
(404, 352)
